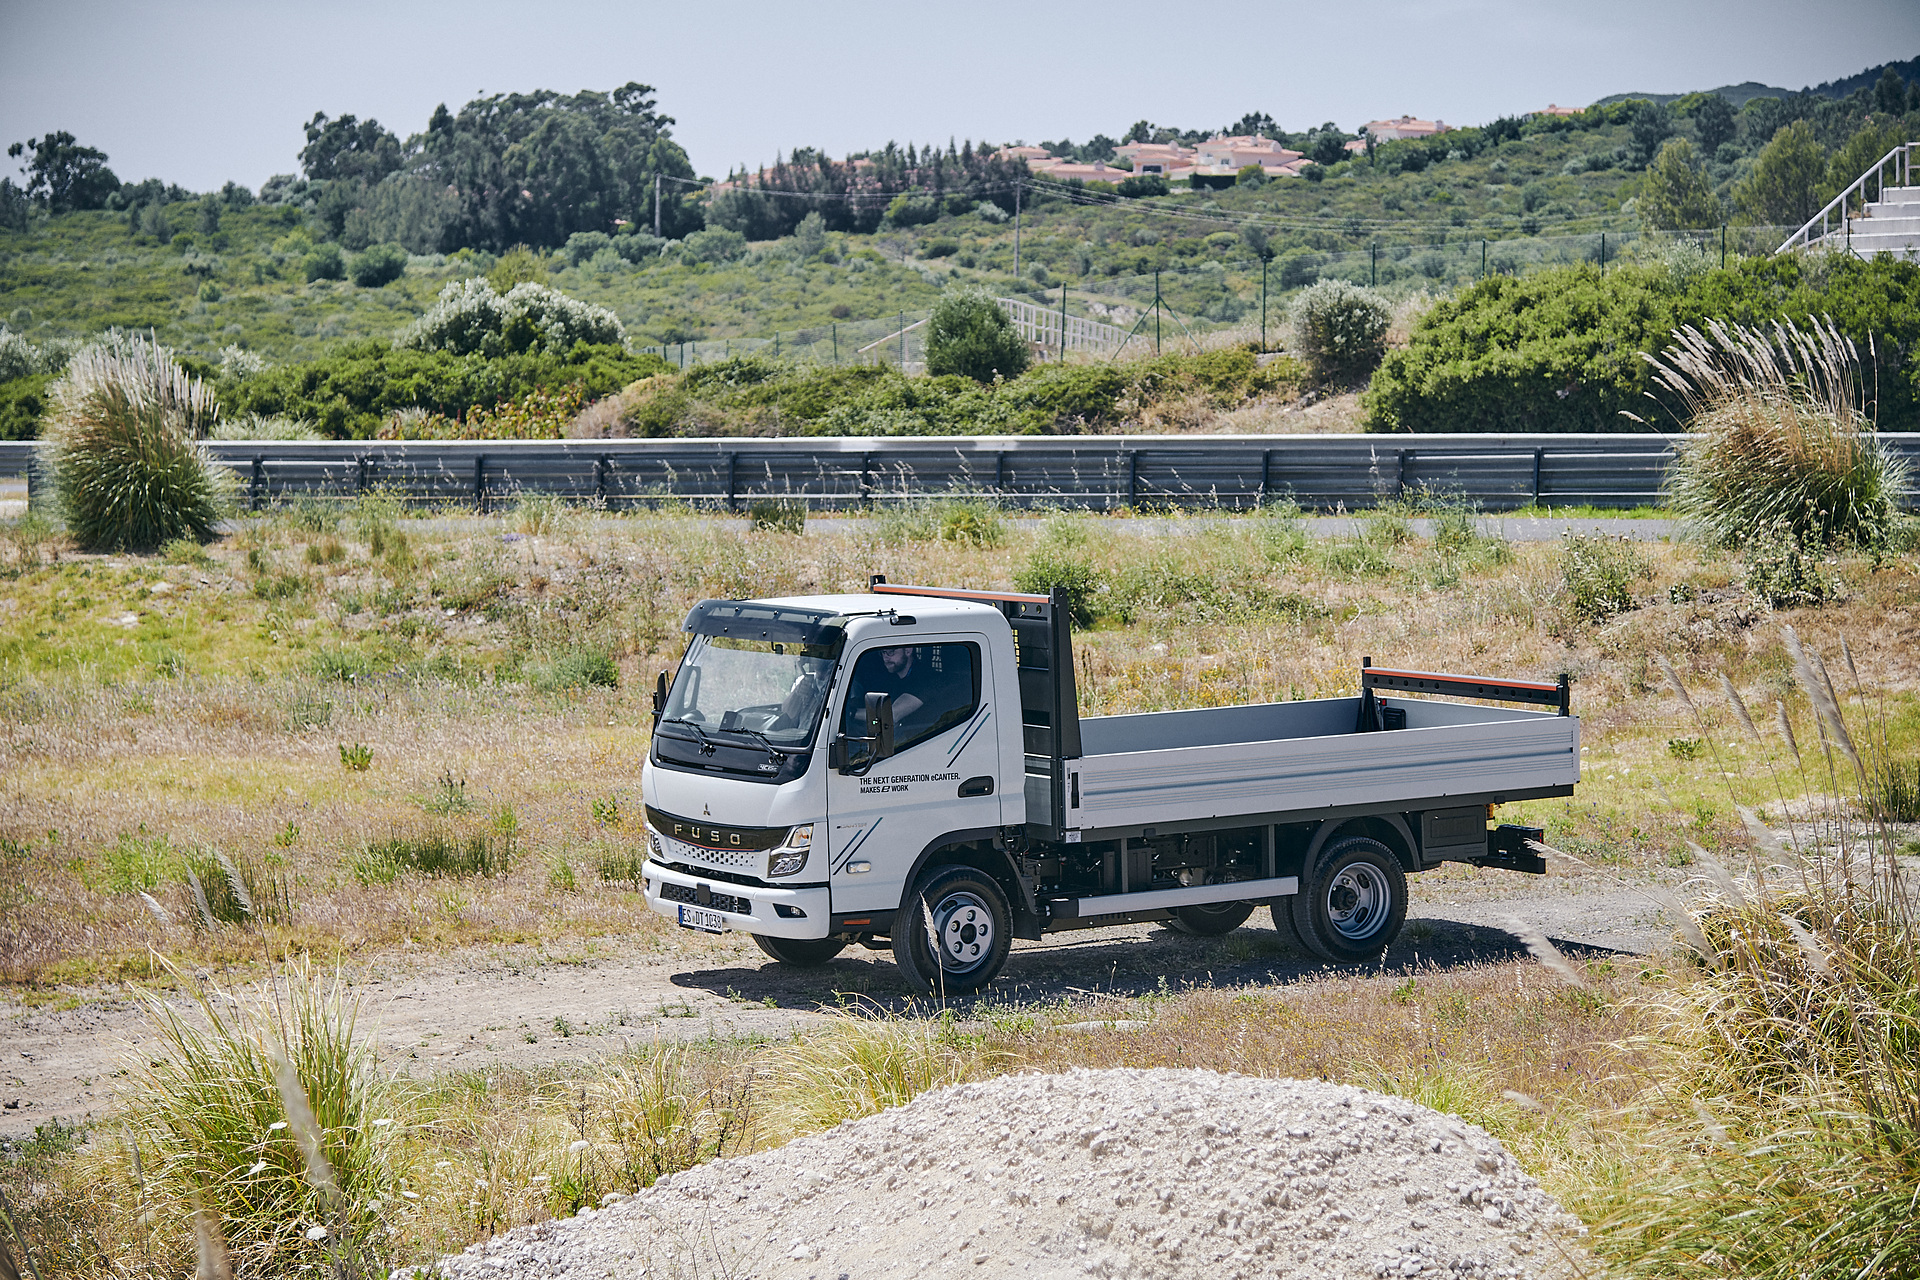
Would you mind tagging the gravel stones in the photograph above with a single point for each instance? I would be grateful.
(1120, 1173)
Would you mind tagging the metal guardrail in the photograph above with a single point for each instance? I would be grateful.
(1498, 472)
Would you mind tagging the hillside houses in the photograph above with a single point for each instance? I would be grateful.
(1218, 157)
(1378, 131)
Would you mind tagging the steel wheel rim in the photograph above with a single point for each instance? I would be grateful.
(963, 921)
(1358, 898)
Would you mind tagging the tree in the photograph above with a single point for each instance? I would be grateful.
(1713, 121)
(1142, 184)
(381, 264)
(1869, 143)
(1890, 93)
(1254, 124)
(1784, 187)
(1340, 330)
(970, 335)
(1652, 125)
(1675, 194)
(349, 148)
(63, 175)
(1328, 148)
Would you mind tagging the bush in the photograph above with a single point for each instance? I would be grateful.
(579, 668)
(381, 264)
(241, 1104)
(324, 263)
(583, 245)
(1785, 574)
(1340, 330)
(971, 336)
(128, 467)
(471, 318)
(1782, 447)
(255, 426)
(349, 393)
(1142, 184)
(1059, 566)
(1599, 574)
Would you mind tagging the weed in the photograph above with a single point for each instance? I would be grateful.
(1599, 573)
(449, 795)
(436, 853)
(138, 861)
(561, 877)
(1686, 748)
(1076, 577)
(778, 515)
(616, 867)
(1784, 573)
(357, 758)
(582, 667)
(606, 811)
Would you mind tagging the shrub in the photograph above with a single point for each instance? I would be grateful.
(270, 1112)
(128, 468)
(582, 667)
(778, 515)
(257, 426)
(1340, 330)
(381, 264)
(583, 245)
(1599, 574)
(1784, 573)
(970, 335)
(324, 263)
(1142, 184)
(1782, 446)
(471, 317)
(1058, 566)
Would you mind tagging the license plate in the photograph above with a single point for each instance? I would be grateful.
(702, 919)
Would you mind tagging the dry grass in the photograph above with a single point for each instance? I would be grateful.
(214, 718)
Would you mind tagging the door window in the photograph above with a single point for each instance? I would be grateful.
(933, 687)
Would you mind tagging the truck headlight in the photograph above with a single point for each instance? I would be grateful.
(791, 857)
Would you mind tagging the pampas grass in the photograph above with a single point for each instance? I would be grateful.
(128, 467)
(1784, 447)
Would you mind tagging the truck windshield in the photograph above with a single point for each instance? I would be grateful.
(767, 690)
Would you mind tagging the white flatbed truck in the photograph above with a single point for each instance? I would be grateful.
(908, 767)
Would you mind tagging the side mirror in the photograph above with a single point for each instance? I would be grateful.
(878, 742)
(659, 698)
(880, 724)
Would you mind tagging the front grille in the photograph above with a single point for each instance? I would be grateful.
(730, 858)
(721, 901)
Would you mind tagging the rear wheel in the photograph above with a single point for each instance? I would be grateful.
(1210, 920)
(971, 932)
(1354, 902)
(801, 953)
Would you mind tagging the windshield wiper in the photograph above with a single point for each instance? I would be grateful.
(773, 753)
(706, 743)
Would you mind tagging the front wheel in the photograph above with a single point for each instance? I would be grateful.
(801, 953)
(1354, 902)
(953, 932)
(1210, 920)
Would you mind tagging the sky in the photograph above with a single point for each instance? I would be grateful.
(200, 92)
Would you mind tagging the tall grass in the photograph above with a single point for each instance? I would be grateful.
(266, 1112)
(128, 466)
(1784, 445)
(1785, 1138)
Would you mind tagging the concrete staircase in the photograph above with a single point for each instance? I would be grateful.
(1890, 224)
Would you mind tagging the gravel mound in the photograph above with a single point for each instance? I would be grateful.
(1123, 1173)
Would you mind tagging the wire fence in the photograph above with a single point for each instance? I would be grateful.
(1240, 295)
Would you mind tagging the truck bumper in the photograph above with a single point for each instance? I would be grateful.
(777, 912)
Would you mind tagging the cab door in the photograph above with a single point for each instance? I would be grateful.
(940, 781)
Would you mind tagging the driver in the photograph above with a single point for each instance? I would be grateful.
(899, 674)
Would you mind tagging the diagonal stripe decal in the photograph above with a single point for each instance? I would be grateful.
(979, 723)
(846, 854)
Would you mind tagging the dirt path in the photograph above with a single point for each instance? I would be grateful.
(468, 1012)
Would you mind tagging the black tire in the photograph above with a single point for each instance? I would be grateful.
(1351, 907)
(801, 953)
(970, 914)
(1211, 920)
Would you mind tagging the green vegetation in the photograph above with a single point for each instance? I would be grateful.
(1783, 448)
(970, 335)
(127, 465)
(1340, 331)
(1561, 349)
(752, 395)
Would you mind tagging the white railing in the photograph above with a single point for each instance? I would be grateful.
(1041, 326)
(1821, 224)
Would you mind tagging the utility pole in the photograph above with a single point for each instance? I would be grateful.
(1603, 255)
(656, 205)
(836, 342)
(1266, 257)
(1483, 259)
(903, 342)
(1016, 231)
(1373, 267)
(1063, 322)
(1723, 246)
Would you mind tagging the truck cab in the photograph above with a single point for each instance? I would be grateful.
(906, 766)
